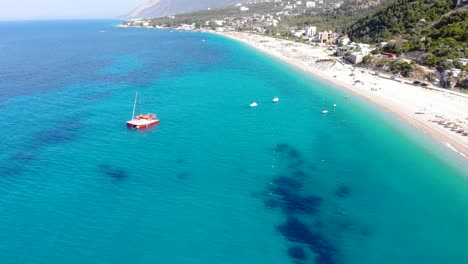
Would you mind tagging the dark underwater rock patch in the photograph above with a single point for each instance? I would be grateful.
(65, 132)
(10, 171)
(281, 147)
(297, 204)
(343, 191)
(53, 137)
(272, 203)
(299, 173)
(297, 253)
(287, 183)
(113, 171)
(287, 193)
(183, 175)
(289, 199)
(365, 231)
(241, 170)
(24, 156)
(345, 224)
(294, 153)
(96, 96)
(296, 231)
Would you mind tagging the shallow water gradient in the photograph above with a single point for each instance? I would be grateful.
(215, 181)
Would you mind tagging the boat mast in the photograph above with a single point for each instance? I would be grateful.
(134, 106)
(138, 110)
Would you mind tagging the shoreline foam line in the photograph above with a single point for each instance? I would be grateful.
(456, 150)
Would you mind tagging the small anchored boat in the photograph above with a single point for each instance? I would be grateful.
(141, 121)
(325, 112)
(275, 99)
(254, 104)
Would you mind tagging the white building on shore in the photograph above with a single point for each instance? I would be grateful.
(298, 33)
(463, 61)
(357, 51)
(344, 40)
(310, 31)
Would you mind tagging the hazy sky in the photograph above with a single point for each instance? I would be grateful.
(44, 9)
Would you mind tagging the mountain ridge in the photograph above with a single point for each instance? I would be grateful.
(158, 8)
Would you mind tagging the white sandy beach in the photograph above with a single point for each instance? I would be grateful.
(419, 106)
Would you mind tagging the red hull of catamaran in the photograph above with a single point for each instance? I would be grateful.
(130, 124)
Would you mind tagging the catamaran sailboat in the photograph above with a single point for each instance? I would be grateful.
(141, 121)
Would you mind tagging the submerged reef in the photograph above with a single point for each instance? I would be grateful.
(343, 191)
(113, 171)
(65, 132)
(285, 193)
(296, 231)
(297, 253)
(305, 226)
(183, 175)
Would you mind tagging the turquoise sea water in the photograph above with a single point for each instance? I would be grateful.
(216, 181)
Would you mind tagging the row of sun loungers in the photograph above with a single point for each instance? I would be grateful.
(457, 126)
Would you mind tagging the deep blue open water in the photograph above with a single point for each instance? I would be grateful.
(215, 181)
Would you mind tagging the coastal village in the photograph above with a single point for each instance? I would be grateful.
(264, 18)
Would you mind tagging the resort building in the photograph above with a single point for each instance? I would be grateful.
(326, 37)
(298, 33)
(357, 50)
(310, 31)
(451, 73)
(341, 51)
(355, 58)
(187, 26)
(344, 40)
(463, 61)
(218, 22)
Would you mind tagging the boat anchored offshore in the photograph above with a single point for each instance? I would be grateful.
(275, 99)
(141, 121)
(254, 104)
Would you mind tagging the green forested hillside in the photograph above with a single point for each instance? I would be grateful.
(436, 27)
(335, 20)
